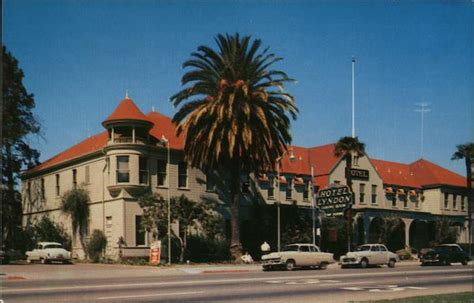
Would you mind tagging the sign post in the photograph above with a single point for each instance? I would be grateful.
(155, 252)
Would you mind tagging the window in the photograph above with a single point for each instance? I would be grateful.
(108, 221)
(271, 191)
(337, 182)
(382, 248)
(394, 201)
(58, 189)
(454, 201)
(28, 189)
(374, 194)
(375, 248)
(161, 172)
(87, 178)
(123, 173)
(43, 191)
(139, 231)
(304, 248)
(463, 201)
(306, 190)
(446, 203)
(356, 160)
(362, 193)
(143, 170)
(74, 178)
(182, 174)
(405, 202)
(289, 189)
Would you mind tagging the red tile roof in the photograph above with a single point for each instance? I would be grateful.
(417, 174)
(126, 110)
(162, 125)
(429, 173)
(394, 173)
(88, 146)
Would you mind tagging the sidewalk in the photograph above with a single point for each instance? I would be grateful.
(92, 271)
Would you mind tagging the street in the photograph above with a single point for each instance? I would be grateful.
(129, 284)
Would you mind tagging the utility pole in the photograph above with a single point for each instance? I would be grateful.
(422, 109)
(353, 98)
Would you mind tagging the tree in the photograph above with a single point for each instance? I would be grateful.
(188, 213)
(75, 203)
(466, 152)
(346, 147)
(234, 114)
(18, 124)
(96, 245)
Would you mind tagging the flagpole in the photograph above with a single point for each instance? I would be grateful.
(353, 98)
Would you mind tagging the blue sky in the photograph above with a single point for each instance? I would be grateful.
(80, 56)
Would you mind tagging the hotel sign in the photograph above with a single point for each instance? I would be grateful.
(333, 201)
(361, 174)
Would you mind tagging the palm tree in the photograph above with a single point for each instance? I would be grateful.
(236, 114)
(346, 147)
(75, 203)
(466, 152)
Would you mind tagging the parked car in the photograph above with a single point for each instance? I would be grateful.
(369, 254)
(445, 254)
(46, 252)
(297, 255)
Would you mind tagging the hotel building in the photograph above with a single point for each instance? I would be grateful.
(131, 155)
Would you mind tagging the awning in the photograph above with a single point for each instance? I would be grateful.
(283, 179)
(401, 192)
(388, 190)
(412, 193)
(263, 178)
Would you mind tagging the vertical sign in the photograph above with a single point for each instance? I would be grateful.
(155, 252)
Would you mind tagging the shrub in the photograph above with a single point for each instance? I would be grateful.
(203, 249)
(96, 245)
(404, 254)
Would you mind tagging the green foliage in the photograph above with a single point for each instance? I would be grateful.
(192, 216)
(18, 123)
(234, 114)
(334, 235)
(205, 249)
(44, 230)
(445, 231)
(96, 245)
(75, 203)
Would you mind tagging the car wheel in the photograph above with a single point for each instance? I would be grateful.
(323, 265)
(444, 262)
(290, 265)
(44, 261)
(364, 263)
(344, 266)
(464, 262)
(391, 263)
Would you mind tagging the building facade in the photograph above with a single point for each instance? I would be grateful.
(132, 154)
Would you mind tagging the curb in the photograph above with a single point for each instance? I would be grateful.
(224, 271)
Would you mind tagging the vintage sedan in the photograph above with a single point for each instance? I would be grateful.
(369, 254)
(445, 254)
(46, 252)
(297, 255)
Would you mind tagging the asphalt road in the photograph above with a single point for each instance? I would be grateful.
(332, 285)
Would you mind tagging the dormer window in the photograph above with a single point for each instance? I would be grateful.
(123, 172)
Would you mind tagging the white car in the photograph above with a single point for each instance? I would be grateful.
(46, 252)
(297, 255)
(369, 254)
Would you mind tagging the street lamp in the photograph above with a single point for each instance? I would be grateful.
(292, 157)
(165, 141)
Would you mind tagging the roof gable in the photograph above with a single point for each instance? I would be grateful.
(126, 110)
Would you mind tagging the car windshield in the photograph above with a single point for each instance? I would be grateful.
(53, 246)
(290, 248)
(363, 248)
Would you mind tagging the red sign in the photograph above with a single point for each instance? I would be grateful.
(155, 252)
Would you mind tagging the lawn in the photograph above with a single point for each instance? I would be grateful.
(463, 297)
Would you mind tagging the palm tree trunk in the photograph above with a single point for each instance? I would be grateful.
(235, 245)
(470, 199)
(349, 212)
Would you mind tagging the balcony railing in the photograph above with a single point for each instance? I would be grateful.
(122, 140)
